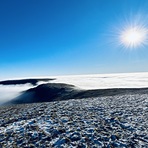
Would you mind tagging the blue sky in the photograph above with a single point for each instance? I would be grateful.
(60, 37)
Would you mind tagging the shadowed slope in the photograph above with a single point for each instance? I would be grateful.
(58, 91)
(46, 93)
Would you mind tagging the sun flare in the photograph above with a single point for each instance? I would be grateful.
(133, 37)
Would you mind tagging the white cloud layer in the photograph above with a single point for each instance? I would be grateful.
(11, 91)
(102, 81)
(98, 81)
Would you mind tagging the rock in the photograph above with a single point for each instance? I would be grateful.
(59, 142)
(55, 133)
(105, 138)
(81, 145)
(75, 136)
(97, 142)
(113, 137)
(114, 144)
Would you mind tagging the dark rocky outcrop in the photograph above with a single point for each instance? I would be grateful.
(24, 81)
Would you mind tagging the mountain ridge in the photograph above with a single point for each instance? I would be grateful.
(59, 91)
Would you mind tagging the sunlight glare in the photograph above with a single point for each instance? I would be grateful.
(133, 37)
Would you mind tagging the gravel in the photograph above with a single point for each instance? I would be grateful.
(117, 121)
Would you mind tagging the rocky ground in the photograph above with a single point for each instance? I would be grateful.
(117, 121)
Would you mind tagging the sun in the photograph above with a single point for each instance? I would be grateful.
(133, 37)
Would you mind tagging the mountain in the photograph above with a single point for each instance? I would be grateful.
(58, 91)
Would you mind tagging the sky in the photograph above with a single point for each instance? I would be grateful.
(69, 37)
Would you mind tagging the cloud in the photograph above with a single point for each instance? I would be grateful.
(98, 81)
(102, 81)
(9, 92)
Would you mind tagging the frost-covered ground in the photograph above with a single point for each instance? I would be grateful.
(119, 121)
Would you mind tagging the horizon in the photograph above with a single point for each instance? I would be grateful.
(82, 82)
(69, 75)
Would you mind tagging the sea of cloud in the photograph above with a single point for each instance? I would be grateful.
(95, 81)
(103, 81)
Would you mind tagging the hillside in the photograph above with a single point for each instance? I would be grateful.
(113, 121)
